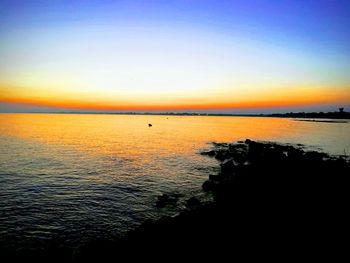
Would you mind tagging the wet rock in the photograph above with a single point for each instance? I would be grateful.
(247, 141)
(236, 146)
(215, 177)
(220, 144)
(239, 152)
(167, 199)
(295, 154)
(208, 185)
(222, 155)
(255, 151)
(227, 167)
(193, 203)
(274, 154)
(314, 156)
(240, 157)
(209, 153)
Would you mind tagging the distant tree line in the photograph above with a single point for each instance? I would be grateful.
(341, 114)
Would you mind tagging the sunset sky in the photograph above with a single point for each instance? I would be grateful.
(227, 56)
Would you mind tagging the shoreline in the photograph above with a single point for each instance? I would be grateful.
(265, 195)
(263, 190)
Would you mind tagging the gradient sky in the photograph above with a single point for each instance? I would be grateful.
(230, 56)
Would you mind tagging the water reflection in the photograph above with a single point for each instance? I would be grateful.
(74, 176)
(129, 135)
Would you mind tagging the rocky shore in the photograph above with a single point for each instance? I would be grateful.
(267, 198)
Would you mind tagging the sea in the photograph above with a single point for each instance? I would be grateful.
(73, 178)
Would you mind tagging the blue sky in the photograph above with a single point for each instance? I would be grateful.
(119, 52)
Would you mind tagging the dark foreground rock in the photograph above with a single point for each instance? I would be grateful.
(268, 199)
(167, 199)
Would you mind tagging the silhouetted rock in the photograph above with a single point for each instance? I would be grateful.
(209, 153)
(279, 191)
(222, 155)
(227, 167)
(208, 185)
(220, 144)
(295, 154)
(193, 203)
(247, 141)
(167, 199)
(215, 177)
(314, 156)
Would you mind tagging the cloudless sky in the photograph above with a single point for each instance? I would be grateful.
(174, 55)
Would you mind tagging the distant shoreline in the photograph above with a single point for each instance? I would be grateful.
(300, 115)
(325, 121)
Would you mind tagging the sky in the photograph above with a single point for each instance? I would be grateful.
(186, 55)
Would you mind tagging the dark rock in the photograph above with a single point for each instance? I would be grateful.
(255, 150)
(167, 199)
(236, 146)
(247, 141)
(209, 153)
(295, 154)
(208, 185)
(227, 167)
(239, 152)
(215, 177)
(220, 144)
(222, 155)
(314, 156)
(274, 154)
(193, 203)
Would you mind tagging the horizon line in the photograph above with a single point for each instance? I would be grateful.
(185, 113)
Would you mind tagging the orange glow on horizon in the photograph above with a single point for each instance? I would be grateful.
(263, 99)
(197, 106)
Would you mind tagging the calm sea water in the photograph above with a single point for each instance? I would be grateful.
(73, 178)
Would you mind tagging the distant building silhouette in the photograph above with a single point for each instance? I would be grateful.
(341, 110)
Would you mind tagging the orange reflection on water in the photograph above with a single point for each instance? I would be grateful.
(129, 135)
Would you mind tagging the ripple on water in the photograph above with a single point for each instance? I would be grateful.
(71, 178)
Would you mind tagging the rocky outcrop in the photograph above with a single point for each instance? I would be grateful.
(167, 199)
(265, 196)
